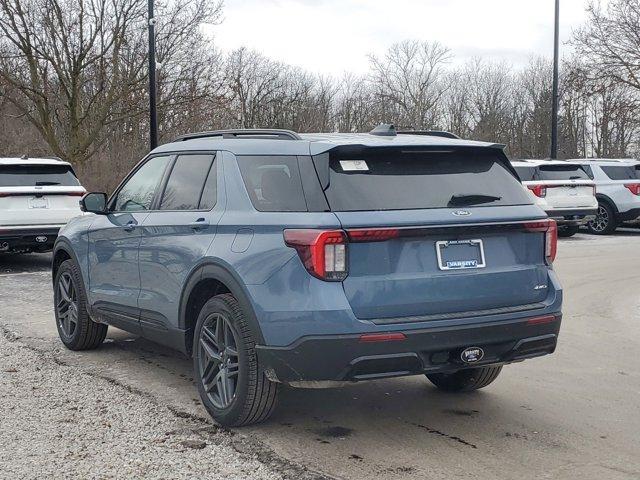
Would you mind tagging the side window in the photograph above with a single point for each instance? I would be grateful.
(622, 173)
(273, 183)
(186, 182)
(137, 194)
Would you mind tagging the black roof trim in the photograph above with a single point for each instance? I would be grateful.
(261, 133)
(431, 133)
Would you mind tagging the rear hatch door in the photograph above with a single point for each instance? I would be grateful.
(435, 233)
(568, 186)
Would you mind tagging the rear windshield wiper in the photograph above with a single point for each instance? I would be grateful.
(472, 199)
(43, 184)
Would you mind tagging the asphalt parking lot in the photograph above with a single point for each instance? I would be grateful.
(572, 415)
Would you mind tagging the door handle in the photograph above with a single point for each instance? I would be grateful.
(130, 225)
(199, 224)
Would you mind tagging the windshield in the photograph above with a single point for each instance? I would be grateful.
(37, 175)
(391, 179)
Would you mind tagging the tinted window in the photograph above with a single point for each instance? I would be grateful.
(31, 175)
(385, 179)
(587, 168)
(526, 174)
(562, 172)
(186, 182)
(137, 194)
(623, 173)
(273, 183)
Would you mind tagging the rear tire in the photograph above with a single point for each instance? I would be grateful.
(76, 329)
(466, 380)
(568, 231)
(605, 222)
(231, 384)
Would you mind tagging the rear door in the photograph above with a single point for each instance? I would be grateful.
(175, 236)
(38, 194)
(435, 232)
(567, 186)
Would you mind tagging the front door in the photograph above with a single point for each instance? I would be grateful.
(114, 240)
(175, 237)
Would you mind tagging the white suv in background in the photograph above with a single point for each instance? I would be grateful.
(562, 189)
(37, 197)
(618, 192)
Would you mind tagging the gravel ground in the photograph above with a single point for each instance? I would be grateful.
(58, 422)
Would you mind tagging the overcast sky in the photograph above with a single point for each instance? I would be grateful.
(333, 36)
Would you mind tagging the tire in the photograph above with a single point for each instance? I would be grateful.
(568, 231)
(605, 222)
(466, 380)
(232, 387)
(75, 328)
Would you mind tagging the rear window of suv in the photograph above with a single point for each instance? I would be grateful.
(392, 179)
(32, 175)
(631, 172)
(562, 172)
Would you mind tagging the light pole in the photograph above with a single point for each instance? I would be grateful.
(153, 116)
(554, 94)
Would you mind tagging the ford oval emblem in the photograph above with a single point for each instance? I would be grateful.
(472, 355)
(41, 239)
(462, 213)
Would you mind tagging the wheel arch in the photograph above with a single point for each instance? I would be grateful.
(208, 279)
(601, 197)
(61, 252)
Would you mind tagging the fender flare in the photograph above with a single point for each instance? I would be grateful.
(211, 269)
(65, 246)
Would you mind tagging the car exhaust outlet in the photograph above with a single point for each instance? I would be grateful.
(4, 246)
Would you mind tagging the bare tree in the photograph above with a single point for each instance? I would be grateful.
(76, 68)
(408, 82)
(609, 43)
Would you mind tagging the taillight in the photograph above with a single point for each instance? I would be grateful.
(538, 190)
(323, 252)
(550, 229)
(372, 235)
(76, 194)
(633, 188)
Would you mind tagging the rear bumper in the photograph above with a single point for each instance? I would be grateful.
(39, 238)
(573, 216)
(340, 358)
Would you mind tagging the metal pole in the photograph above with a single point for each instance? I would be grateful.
(153, 118)
(554, 105)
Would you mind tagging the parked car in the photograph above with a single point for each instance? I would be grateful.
(313, 260)
(562, 189)
(37, 197)
(617, 190)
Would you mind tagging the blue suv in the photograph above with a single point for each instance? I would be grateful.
(275, 258)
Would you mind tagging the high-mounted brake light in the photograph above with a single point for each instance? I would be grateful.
(550, 229)
(323, 252)
(538, 190)
(633, 188)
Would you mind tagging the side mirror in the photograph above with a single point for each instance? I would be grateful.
(94, 202)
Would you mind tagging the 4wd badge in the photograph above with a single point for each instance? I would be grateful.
(472, 355)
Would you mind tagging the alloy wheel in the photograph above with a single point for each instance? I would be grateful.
(600, 223)
(67, 305)
(218, 360)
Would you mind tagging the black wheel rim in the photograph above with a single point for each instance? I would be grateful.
(218, 360)
(67, 305)
(601, 221)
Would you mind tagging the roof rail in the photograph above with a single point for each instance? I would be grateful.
(243, 133)
(431, 133)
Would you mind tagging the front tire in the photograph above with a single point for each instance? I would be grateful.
(232, 387)
(466, 380)
(605, 222)
(75, 328)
